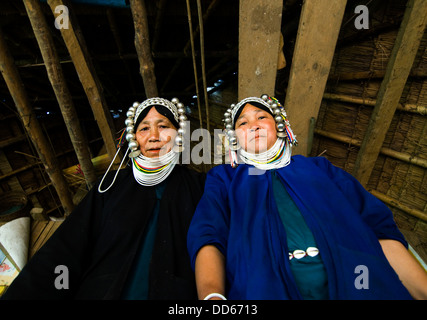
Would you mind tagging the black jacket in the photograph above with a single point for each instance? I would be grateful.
(98, 242)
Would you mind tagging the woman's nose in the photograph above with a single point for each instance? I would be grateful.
(154, 135)
(254, 126)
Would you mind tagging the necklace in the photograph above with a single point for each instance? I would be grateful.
(151, 171)
(278, 156)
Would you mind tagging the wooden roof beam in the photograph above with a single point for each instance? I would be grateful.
(59, 85)
(142, 45)
(79, 54)
(32, 126)
(398, 68)
(318, 30)
(259, 37)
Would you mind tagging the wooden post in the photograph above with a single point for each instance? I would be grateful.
(16, 88)
(401, 59)
(259, 38)
(318, 31)
(86, 72)
(57, 79)
(142, 45)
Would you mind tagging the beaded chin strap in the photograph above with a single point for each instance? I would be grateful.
(283, 128)
(166, 161)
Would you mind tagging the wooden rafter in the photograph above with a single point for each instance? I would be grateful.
(399, 66)
(79, 54)
(59, 85)
(142, 45)
(318, 31)
(259, 37)
(32, 126)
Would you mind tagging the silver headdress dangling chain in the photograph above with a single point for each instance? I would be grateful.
(279, 154)
(151, 171)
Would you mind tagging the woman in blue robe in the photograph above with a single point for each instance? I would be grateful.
(282, 227)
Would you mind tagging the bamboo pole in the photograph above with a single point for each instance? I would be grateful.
(193, 54)
(413, 108)
(202, 55)
(142, 45)
(385, 151)
(57, 79)
(393, 202)
(361, 75)
(77, 49)
(178, 63)
(397, 72)
(32, 126)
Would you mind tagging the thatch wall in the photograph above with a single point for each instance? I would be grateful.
(355, 78)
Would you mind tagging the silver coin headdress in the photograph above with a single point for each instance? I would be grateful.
(283, 128)
(174, 106)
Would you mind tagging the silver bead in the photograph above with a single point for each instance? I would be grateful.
(130, 136)
(175, 100)
(281, 134)
(129, 129)
(230, 133)
(133, 145)
(179, 140)
(229, 110)
(130, 114)
(129, 122)
(135, 104)
(234, 146)
(135, 153)
(181, 110)
(233, 140)
(182, 124)
(182, 117)
(180, 105)
(278, 118)
(277, 111)
(227, 120)
(280, 126)
(178, 149)
(232, 105)
(181, 131)
(227, 115)
(229, 126)
(264, 97)
(132, 109)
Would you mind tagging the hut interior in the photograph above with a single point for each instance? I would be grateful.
(351, 74)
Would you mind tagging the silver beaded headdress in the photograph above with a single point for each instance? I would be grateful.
(174, 106)
(178, 111)
(283, 128)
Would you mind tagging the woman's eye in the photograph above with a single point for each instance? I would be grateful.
(241, 123)
(143, 129)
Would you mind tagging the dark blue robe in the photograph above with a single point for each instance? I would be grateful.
(238, 214)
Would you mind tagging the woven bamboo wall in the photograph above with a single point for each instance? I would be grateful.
(356, 75)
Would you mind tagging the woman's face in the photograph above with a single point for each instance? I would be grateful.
(255, 129)
(155, 134)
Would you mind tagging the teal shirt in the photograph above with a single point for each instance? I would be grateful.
(309, 272)
(136, 287)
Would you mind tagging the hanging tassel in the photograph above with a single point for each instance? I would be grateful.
(122, 139)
